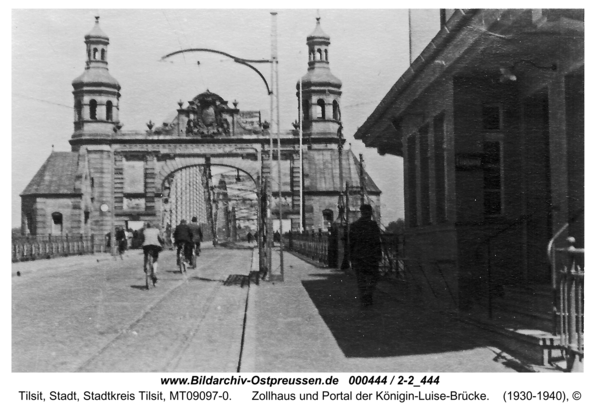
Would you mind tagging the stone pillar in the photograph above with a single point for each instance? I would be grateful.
(119, 181)
(150, 181)
(295, 189)
(101, 169)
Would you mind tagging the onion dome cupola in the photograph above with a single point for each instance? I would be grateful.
(321, 90)
(96, 92)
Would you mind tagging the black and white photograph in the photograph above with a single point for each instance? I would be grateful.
(387, 196)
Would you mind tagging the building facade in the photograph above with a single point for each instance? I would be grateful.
(489, 120)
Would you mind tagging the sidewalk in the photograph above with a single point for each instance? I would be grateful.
(312, 322)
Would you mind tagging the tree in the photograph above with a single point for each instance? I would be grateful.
(395, 227)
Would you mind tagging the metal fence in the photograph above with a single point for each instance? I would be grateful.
(393, 260)
(568, 274)
(28, 248)
(314, 245)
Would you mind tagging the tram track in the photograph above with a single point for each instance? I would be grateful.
(198, 325)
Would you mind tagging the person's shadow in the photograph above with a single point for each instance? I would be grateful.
(389, 328)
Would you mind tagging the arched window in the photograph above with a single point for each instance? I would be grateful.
(57, 223)
(320, 54)
(328, 215)
(321, 105)
(305, 109)
(103, 55)
(93, 109)
(95, 54)
(326, 56)
(109, 110)
(78, 109)
(336, 111)
(311, 55)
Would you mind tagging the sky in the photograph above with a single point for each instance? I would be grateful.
(368, 52)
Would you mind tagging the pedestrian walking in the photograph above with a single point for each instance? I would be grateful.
(121, 241)
(365, 253)
(152, 245)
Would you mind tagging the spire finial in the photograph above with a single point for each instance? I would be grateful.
(97, 18)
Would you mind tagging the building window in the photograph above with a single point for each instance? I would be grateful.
(57, 223)
(424, 167)
(327, 217)
(321, 105)
(491, 117)
(86, 217)
(320, 54)
(109, 110)
(492, 177)
(411, 180)
(103, 55)
(439, 148)
(93, 109)
(326, 56)
(95, 54)
(336, 111)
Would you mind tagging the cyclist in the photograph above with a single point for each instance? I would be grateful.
(183, 238)
(152, 245)
(197, 235)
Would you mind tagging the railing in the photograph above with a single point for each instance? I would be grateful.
(568, 283)
(28, 248)
(393, 261)
(314, 245)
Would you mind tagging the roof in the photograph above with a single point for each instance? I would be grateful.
(96, 32)
(320, 76)
(318, 32)
(94, 76)
(56, 176)
(322, 171)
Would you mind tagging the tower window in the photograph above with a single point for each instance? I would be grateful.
(103, 55)
(305, 109)
(95, 54)
(320, 54)
(78, 109)
(336, 111)
(311, 55)
(109, 110)
(93, 109)
(326, 56)
(321, 105)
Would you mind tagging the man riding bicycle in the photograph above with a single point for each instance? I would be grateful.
(184, 239)
(152, 246)
(197, 234)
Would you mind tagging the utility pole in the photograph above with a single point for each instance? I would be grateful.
(281, 265)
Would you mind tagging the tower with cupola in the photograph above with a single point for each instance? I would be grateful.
(321, 90)
(96, 93)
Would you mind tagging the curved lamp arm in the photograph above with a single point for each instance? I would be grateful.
(238, 60)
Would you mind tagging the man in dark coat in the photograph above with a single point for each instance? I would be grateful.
(365, 253)
(184, 237)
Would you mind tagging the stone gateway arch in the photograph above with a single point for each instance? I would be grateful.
(178, 169)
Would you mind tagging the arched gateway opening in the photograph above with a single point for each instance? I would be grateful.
(224, 199)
